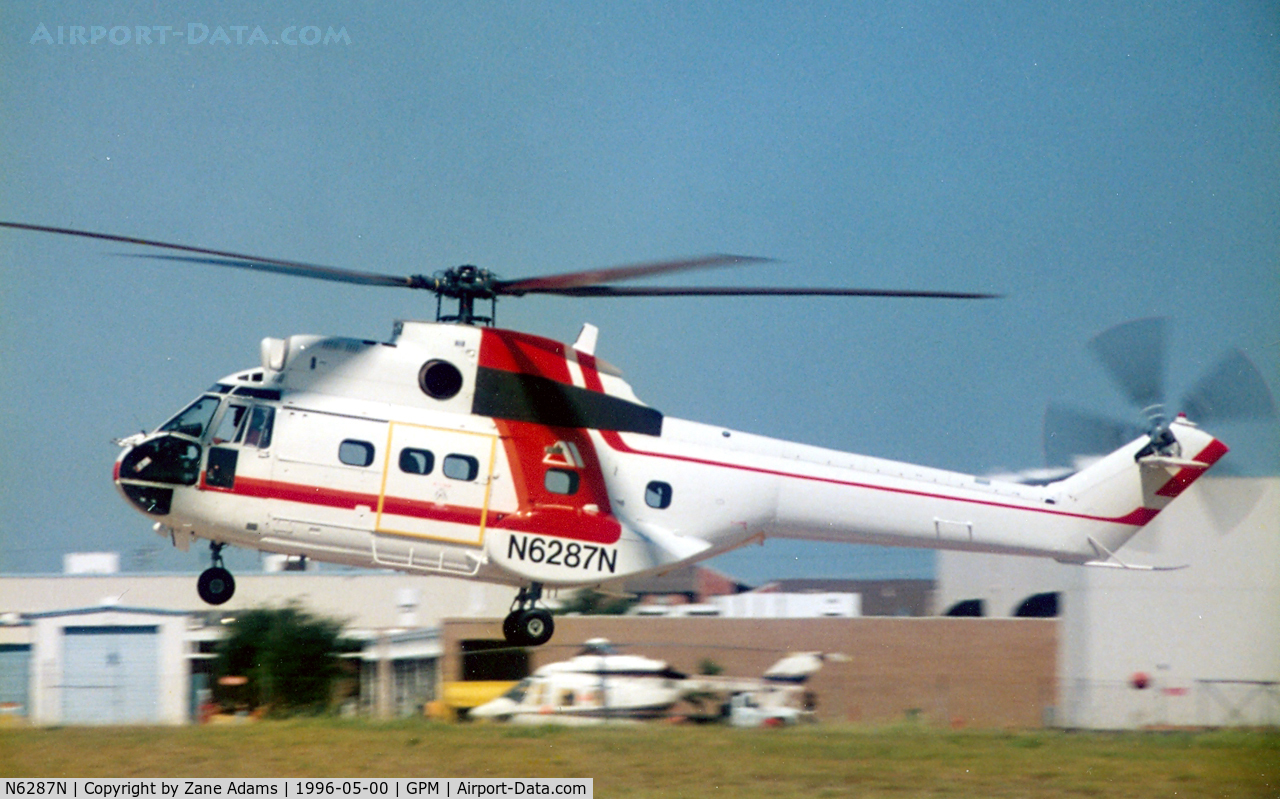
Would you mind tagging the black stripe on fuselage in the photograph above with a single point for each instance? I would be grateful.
(530, 398)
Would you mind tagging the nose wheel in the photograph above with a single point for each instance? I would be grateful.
(216, 585)
(527, 625)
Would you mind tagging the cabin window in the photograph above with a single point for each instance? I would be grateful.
(416, 461)
(258, 433)
(229, 426)
(461, 467)
(561, 481)
(440, 379)
(355, 453)
(657, 495)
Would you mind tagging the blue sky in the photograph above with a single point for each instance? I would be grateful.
(1095, 164)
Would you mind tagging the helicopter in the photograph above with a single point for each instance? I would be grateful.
(462, 449)
(601, 684)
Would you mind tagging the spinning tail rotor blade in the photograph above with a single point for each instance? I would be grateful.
(1069, 433)
(1133, 353)
(1230, 502)
(1234, 390)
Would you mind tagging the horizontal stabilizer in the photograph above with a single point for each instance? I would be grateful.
(1108, 560)
(1133, 567)
(1173, 463)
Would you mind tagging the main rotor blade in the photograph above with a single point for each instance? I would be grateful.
(731, 291)
(1233, 391)
(239, 260)
(593, 277)
(1133, 354)
(295, 269)
(1069, 433)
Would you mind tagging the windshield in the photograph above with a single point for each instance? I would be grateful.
(517, 691)
(193, 421)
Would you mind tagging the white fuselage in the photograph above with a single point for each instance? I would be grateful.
(521, 460)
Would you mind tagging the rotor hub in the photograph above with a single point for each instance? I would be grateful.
(466, 284)
(466, 281)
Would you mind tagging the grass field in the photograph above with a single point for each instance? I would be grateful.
(666, 761)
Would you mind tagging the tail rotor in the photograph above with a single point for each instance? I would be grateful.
(1133, 354)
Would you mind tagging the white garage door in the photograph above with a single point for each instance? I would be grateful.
(14, 680)
(110, 675)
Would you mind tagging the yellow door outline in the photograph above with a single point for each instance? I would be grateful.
(488, 483)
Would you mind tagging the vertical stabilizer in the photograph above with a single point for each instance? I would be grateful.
(1132, 485)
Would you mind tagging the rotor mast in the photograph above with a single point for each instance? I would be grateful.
(466, 284)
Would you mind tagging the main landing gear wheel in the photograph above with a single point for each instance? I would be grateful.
(216, 585)
(532, 627)
(526, 625)
(509, 627)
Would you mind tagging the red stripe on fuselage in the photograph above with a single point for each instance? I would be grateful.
(551, 520)
(1136, 517)
(584, 515)
(348, 500)
(1186, 476)
(525, 354)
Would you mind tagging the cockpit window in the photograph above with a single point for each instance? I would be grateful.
(194, 419)
(233, 429)
(517, 691)
(258, 433)
(229, 427)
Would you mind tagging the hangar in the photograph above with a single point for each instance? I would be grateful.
(109, 665)
(1194, 646)
(72, 653)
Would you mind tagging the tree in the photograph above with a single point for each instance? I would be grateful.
(590, 602)
(290, 661)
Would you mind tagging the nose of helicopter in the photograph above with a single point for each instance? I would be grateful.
(126, 446)
(148, 469)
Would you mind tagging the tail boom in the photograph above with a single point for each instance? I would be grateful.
(1104, 505)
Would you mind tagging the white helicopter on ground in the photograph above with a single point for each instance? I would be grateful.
(601, 684)
(457, 448)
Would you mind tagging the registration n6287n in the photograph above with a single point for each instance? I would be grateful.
(567, 554)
